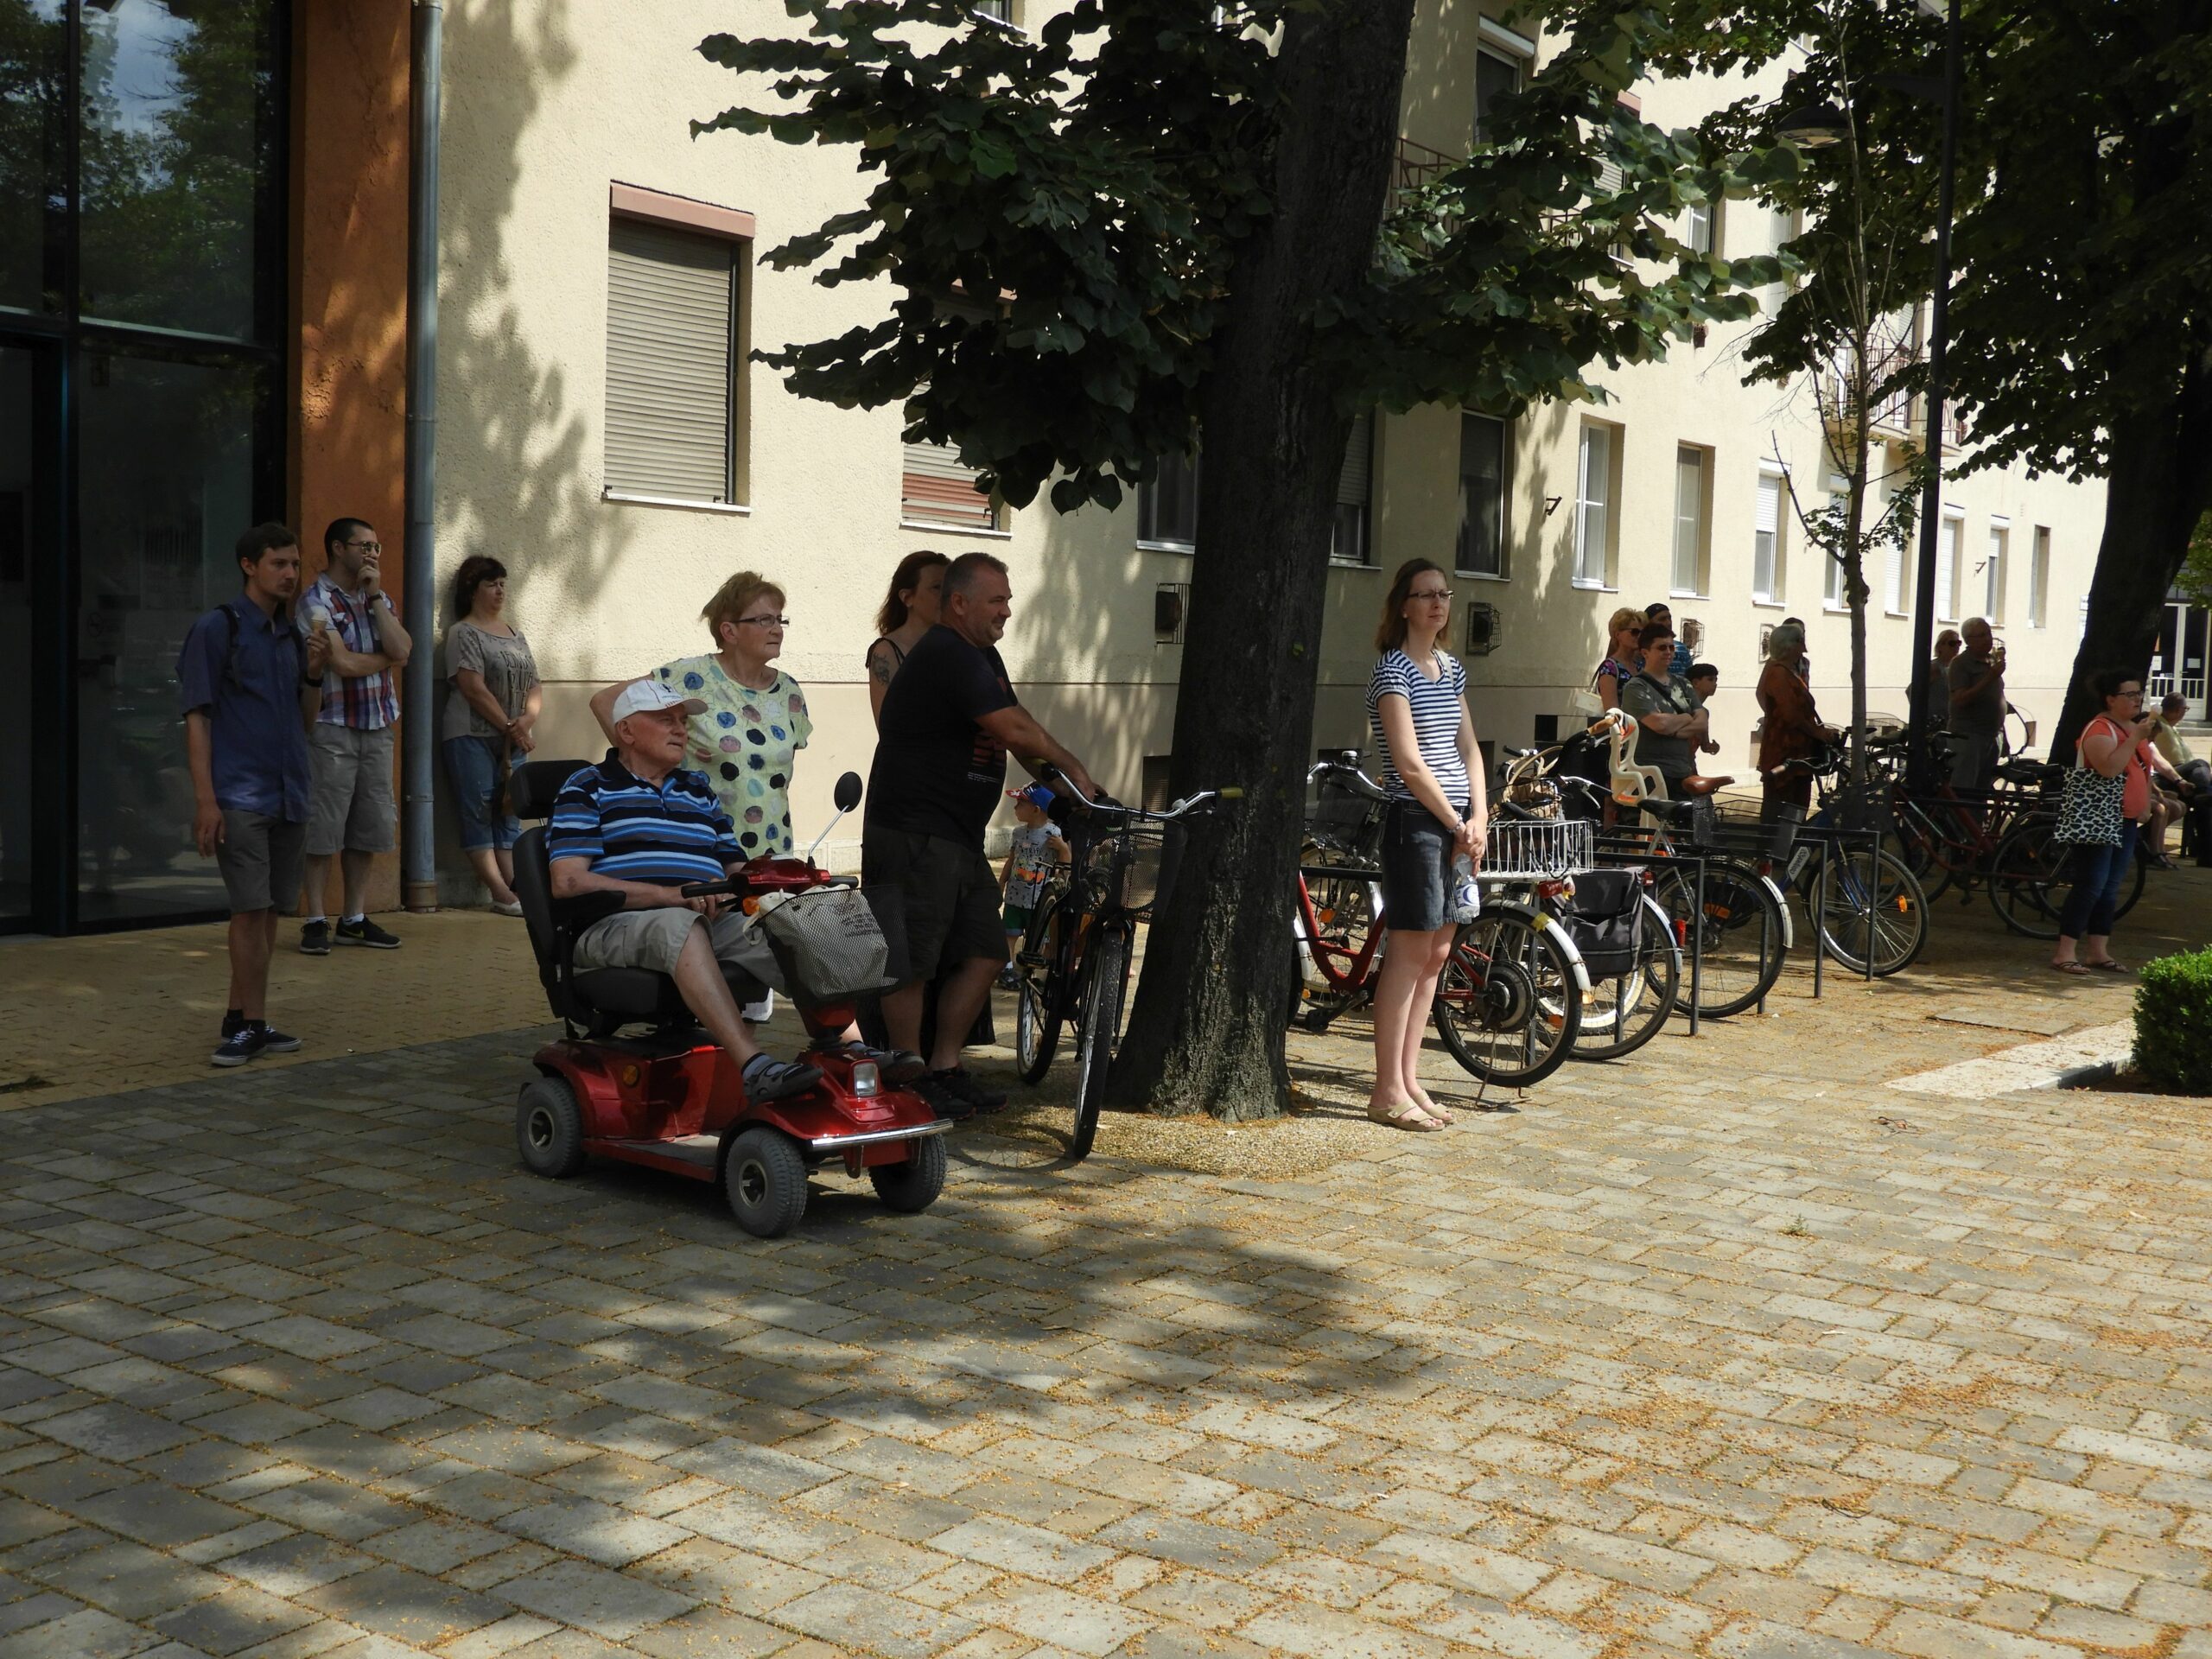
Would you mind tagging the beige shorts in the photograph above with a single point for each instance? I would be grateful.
(351, 802)
(655, 938)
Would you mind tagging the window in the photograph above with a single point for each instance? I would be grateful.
(1898, 588)
(1167, 508)
(1484, 447)
(1781, 229)
(1348, 536)
(672, 362)
(1594, 507)
(1690, 543)
(2039, 578)
(937, 489)
(1496, 74)
(1946, 570)
(1766, 542)
(1993, 583)
(1834, 596)
(1702, 226)
(999, 11)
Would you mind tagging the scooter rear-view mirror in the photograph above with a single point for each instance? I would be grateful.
(847, 794)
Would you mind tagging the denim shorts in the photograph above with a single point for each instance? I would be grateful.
(473, 763)
(1416, 869)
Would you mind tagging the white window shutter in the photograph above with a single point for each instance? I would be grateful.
(938, 488)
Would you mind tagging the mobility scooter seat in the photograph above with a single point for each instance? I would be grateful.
(599, 998)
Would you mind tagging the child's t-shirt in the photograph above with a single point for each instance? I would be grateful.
(1032, 862)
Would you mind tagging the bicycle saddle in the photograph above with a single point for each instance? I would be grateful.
(1704, 785)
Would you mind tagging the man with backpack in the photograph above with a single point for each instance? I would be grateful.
(250, 686)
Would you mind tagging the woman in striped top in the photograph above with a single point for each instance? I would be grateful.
(1432, 770)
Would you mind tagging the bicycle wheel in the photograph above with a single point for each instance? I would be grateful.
(1098, 1029)
(1620, 1016)
(1740, 937)
(1507, 1006)
(1343, 916)
(1038, 996)
(1872, 905)
(2031, 874)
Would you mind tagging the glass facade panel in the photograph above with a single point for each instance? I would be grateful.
(34, 82)
(164, 488)
(178, 139)
(18, 479)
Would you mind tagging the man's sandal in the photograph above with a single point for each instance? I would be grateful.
(1404, 1116)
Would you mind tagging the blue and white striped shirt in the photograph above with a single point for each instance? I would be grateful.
(1437, 705)
(671, 832)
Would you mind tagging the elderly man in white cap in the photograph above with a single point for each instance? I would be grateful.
(641, 825)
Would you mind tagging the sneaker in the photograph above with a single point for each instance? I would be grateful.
(948, 1107)
(365, 931)
(766, 1079)
(275, 1041)
(240, 1046)
(315, 939)
(1010, 980)
(894, 1065)
(961, 1084)
(512, 908)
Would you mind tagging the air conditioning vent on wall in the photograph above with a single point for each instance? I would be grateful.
(1482, 628)
(1167, 608)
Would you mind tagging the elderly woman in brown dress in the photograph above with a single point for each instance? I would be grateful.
(1792, 727)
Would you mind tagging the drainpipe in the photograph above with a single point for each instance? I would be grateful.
(418, 726)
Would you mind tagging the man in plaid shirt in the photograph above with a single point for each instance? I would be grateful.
(350, 813)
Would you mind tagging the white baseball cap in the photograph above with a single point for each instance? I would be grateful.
(639, 695)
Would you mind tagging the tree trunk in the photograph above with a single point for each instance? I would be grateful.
(1205, 1031)
(2159, 484)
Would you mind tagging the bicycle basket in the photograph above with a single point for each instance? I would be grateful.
(1536, 850)
(1534, 798)
(1137, 865)
(1343, 817)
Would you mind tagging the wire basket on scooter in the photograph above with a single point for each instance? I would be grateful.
(1536, 850)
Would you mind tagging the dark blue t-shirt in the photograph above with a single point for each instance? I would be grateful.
(246, 680)
(937, 771)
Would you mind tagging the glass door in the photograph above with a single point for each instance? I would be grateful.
(26, 876)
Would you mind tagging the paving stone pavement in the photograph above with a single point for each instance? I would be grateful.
(1689, 1357)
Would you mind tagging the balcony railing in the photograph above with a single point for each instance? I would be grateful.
(1418, 164)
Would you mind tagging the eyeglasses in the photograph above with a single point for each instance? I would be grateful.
(367, 547)
(2136, 693)
(764, 621)
(1432, 595)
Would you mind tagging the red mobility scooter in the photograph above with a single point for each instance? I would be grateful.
(670, 1100)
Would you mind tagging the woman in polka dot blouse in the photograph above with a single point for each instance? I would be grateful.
(755, 721)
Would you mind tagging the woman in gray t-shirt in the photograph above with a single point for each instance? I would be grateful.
(490, 718)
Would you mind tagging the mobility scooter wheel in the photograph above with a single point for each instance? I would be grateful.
(766, 1179)
(913, 1186)
(550, 1128)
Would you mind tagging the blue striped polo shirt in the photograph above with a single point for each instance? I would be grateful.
(669, 832)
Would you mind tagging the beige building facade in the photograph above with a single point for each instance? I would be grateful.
(602, 431)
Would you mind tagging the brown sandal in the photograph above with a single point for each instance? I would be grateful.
(1404, 1116)
(2080, 970)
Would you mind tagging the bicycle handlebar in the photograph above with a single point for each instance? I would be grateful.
(1189, 803)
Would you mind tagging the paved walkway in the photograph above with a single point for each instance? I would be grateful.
(1728, 1351)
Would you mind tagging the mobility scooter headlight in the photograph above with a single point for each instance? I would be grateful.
(867, 1081)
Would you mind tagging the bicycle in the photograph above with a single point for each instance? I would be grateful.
(1509, 1005)
(1868, 907)
(1074, 961)
(1736, 931)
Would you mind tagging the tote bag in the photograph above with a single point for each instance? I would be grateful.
(2089, 813)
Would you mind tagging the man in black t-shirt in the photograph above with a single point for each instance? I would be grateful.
(948, 722)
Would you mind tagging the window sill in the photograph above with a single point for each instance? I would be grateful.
(1758, 604)
(1594, 587)
(1351, 564)
(1689, 592)
(956, 530)
(628, 498)
(1834, 607)
(1184, 547)
(1483, 576)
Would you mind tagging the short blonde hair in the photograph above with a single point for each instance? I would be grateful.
(734, 598)
(1627, 617)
